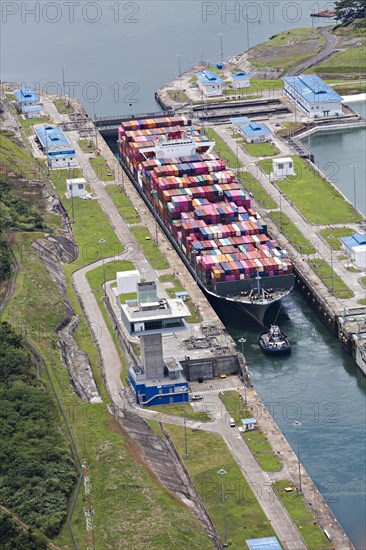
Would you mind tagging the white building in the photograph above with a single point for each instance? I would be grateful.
(255, 132)
(239, 121)
(313, 96)
(283, 167)
(75, 187)
(240, 80)
(127, 281)
(355, 246)
(248, 424)
(210, 83)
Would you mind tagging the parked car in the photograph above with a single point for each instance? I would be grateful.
(196, 397)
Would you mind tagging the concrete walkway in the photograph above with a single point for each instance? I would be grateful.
(327, 50)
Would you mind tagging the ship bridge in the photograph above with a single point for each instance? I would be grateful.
(184, 146)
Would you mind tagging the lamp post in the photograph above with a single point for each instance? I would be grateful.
(359, 44)
(297, 424)
(95, 125)
(242, 342)
(185, 427)
(354, 166)
(63, 79)
(247, 20)
(102, 241)
(72, 196)
(154, 193)
(281, 227)
(222, 472)
(179, 71)
(221, 49)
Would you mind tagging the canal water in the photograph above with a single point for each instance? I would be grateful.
(336, 151)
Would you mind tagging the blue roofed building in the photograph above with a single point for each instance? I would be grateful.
(255, 132)
(355, 246)
(56, 147)
(266, 543)
(240, 80)
(313, 95)
(236, 122)
(210, 83)
(27, 103)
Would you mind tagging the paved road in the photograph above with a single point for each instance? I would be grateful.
(328, 49)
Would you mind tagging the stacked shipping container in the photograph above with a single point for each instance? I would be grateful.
(201, 204)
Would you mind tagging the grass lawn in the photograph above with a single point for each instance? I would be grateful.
(318, 201)
(149, 248)
(323, 270)
(301, 516)
(331, 236)
(362, 302)
(345, 62)
(123, 204)
(128, 296)
(178, 95)
(223, 149)
(13, 156)
(293, 234)
(260, 149)
(87, 145)
(253, 186)
(195, 316)
(60, 105)
(363, 281)
(256, 440)
(102, 169)
(207, 454)
(177, 409)
(90, 223)
(287, 49)
(28, 123)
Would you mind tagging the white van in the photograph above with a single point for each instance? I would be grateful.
(232, 423)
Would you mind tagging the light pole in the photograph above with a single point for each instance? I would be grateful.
(154, 193)
(247, 20)
(359, 44)
(354, 166)
(102, 241)
(180, 71)
(95, 125)
(297, 424)
(221, 50)
(281, 227)
(222, 472)
(63, 79)
(185, 427)
(72, 196)
(242, 342)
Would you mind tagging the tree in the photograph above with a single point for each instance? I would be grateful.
(348, 10)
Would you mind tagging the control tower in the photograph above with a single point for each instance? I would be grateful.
(156, 381)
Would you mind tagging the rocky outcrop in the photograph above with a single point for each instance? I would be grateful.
(77, 362)
(54, 251)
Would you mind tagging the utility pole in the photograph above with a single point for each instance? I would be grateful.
(247, 20)
(297, 424)
(95, 125)
(154, 194)
(222, 473)
(242, 342)
(185, 427)
(221, 50)
(354, 166)
(180, 72)
(102, 241)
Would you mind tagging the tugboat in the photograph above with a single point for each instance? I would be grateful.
(274, 342)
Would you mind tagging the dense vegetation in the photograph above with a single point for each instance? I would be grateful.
(13, 537)
(348, 10)
(15, 211)
(37, 474)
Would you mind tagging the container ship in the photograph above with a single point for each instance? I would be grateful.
(205, 213)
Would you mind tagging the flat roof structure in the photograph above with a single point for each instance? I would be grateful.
(51, 137)
(312, 88)
(209, 77)
(26, 95)
(240, 76)
(32, 109)
(267, 543)
(240, 120)
(282, 160)
(254, 129)
(357, 239)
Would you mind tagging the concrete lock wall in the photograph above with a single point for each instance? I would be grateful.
(194, 369)
(152, 355)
